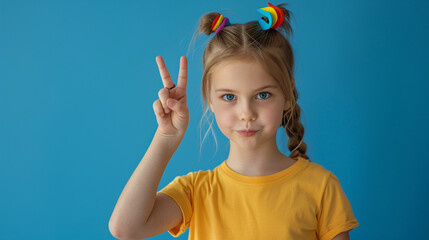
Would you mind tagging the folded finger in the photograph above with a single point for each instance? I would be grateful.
(163, 95)
(157, 108)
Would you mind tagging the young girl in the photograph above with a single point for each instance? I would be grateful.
(257, 192)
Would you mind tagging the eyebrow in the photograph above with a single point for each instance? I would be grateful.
(229, 90)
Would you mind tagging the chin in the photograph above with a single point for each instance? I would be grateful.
(244, 143)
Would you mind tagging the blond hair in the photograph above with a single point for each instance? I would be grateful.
(272, 50)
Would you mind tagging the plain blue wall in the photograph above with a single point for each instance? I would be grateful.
(78, 79)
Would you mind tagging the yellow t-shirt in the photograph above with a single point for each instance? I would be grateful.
(303, 201)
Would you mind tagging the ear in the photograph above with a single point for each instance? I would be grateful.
(211, 106)
(293, 83)
(287, 105)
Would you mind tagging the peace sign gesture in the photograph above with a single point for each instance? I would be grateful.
(170, 109)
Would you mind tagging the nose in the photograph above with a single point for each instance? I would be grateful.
(246, 111)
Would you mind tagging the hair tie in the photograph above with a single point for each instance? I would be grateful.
(219, 23)
(273, 15)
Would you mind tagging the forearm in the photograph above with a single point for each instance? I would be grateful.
(138, 196)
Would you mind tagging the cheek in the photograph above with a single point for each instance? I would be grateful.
(224, 118)
(272, 114)
(222, 115)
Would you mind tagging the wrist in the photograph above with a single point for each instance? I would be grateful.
(170, 137)
(170, 143)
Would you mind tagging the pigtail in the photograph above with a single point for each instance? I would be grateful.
(291, 120)
(285, 27)
(295, 130)
(205, 24)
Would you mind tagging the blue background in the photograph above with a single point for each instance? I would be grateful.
(78, 79)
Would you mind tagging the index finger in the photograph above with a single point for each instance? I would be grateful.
(165, 75)
(183, 73)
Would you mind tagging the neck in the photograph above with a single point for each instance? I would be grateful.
(258, 161)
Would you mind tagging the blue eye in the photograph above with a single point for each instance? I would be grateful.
(264, 95)
(229, 97)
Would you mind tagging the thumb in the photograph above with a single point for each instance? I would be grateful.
(176, 106)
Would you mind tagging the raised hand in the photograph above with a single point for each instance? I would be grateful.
(170, 109)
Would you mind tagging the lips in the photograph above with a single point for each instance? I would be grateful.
(247, 133)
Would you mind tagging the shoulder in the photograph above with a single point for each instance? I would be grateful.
(325, 176)
(317, 168)
(196, 177)
(318, 178)
(315, 172)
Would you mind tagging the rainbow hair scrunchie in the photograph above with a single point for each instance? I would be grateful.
(274, 15)
(220, 22)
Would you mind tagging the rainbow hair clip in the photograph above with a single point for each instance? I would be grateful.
(274, 15)
(220, 22)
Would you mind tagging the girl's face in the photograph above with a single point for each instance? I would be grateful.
(244, 97)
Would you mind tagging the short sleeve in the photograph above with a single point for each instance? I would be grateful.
(181, 191)
(335, 214)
